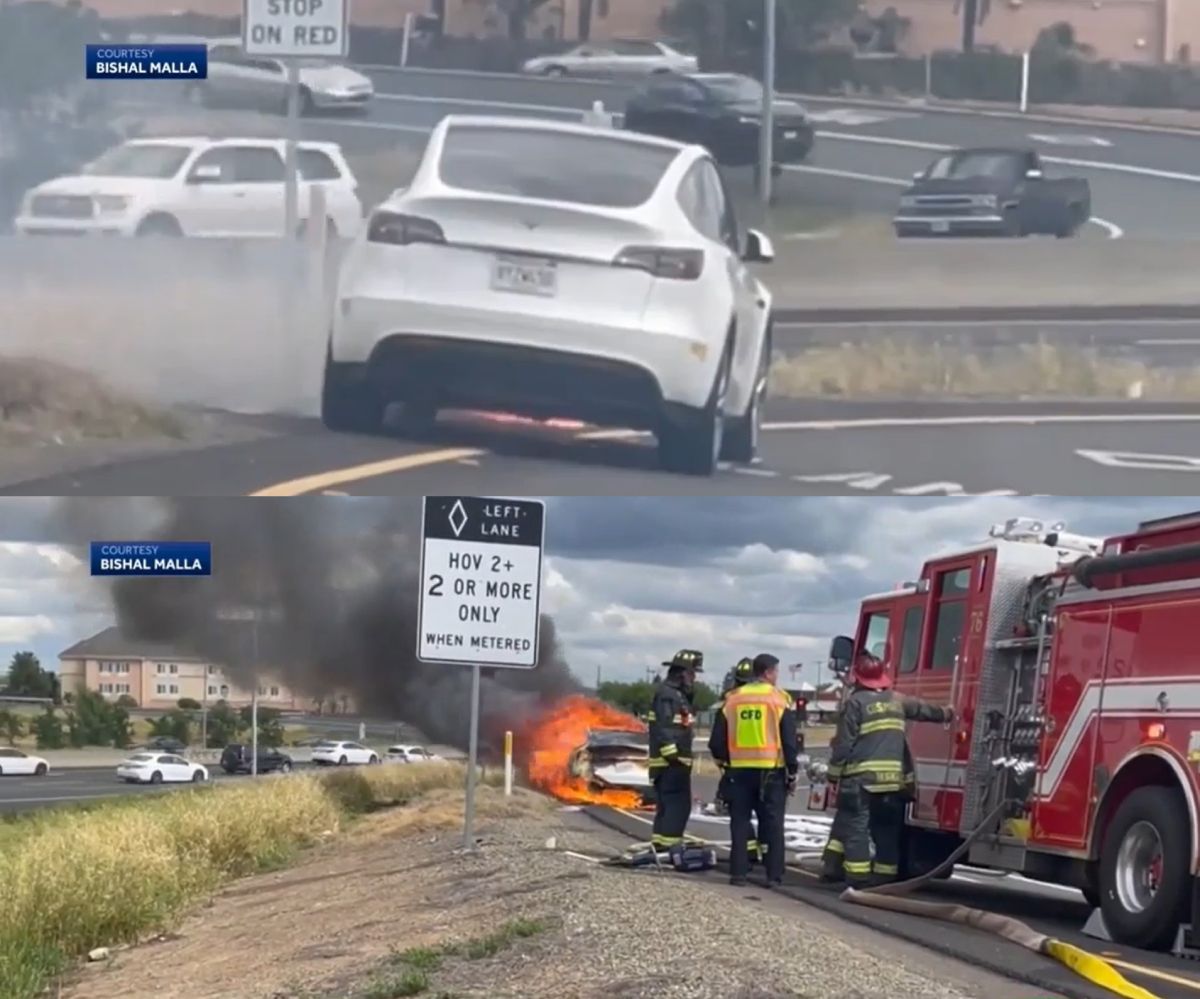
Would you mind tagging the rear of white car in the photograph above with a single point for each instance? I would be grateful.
(15, 763)
(544, 269)
(342, 754)
(160, 768)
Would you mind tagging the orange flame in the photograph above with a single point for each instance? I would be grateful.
(557, 733)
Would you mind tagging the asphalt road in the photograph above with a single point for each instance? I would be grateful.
(1143, 183)
(818, 448)
(1048, 909)
(80, 784)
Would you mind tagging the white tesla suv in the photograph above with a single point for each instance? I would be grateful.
(555, 270)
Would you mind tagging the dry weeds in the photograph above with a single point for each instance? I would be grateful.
(910, 368)
(45, 402)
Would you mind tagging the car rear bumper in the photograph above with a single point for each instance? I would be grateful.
(534, 365)
(943, 225)
(335, 102)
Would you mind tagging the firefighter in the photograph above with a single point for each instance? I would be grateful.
(755, 737)
(671, 719)
(739, 676)
(871, 763)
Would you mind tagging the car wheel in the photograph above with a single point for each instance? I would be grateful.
(373, 759)
(156, 778)
(198, 777)
(341, 761)
(695, 447)
(417, 418)
(39, 770)
(1076, 219)
(285, 768)
(1144, 872)
(348, 406)
(159, 225)
(555, 71)
(741, 442)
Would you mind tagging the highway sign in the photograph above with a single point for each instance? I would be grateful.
(296, 28)
(481, 581)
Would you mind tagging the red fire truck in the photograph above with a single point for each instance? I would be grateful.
(1073, 666)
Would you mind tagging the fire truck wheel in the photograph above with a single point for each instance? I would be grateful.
(1144, 876)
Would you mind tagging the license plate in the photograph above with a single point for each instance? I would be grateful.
(940, 226)
(525, 277)
(791, 135)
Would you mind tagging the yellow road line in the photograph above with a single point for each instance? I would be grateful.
(356, 473)
(1189, 983)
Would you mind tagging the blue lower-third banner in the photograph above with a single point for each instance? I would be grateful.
(151, 558)
(146, 62)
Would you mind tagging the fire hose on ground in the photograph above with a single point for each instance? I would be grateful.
(1083, 963)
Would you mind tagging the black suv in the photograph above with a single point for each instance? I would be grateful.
(238, 757)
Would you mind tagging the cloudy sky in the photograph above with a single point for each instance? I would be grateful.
(628, 579)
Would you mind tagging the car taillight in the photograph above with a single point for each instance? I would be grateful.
(402, 230)
(677, 264)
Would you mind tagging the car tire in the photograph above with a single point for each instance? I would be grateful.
(555, 71)
(198, 777)
(373, 760)
(741, 440)
(1076, 219)
(285, 768)
(348, 406)
(160, 224)
(695, 447)
(341, 761)
(1150, 829)
(156, 778)
(416, 418)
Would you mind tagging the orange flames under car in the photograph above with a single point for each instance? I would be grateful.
(561, 730)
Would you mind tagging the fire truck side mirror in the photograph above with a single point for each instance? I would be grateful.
(841, 653)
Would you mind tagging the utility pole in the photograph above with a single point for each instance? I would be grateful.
(766, 131)
(970, 15)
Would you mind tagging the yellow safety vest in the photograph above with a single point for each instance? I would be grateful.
(752, 716)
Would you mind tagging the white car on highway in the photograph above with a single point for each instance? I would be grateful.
(410, 754)
(556, 270)
(15, 763)
(620, 58)
(239, 80)
(342, 754)
(160, 768)
(192, 186)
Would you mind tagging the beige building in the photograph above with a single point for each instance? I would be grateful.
(1120, 30)
(158, 675)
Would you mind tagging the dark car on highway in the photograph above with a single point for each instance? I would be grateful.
(237, 758)
(165, 744)
(720, 111)
(1000, 192)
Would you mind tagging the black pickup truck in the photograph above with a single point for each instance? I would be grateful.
(1000, 192)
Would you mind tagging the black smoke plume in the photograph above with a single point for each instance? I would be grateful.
(338, 581)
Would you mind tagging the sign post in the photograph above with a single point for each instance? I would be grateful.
(766, 131)
(481, 595)
(291, 30)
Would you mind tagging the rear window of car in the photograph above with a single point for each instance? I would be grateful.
(317, 165)
(553, 166)
(142, 758)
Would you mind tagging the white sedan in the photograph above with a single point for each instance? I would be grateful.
(14, 763)
(342, 753)
(410, 754)
(557, 271)
(160, 768)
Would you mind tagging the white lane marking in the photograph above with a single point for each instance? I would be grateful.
(762, 473)
(948, 489)
(1114, 231)
(1068, 139)
(938, 147)
(1146, 462)
(992, 323)
(850, 117)
(855, 480)
(969, 421)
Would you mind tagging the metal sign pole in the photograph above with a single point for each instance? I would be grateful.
(766, 135)
(291, 196)
(472, 762)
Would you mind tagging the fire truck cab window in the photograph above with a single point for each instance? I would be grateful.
(910, 643)
(951, 621)
(954, 584)
(875, 634)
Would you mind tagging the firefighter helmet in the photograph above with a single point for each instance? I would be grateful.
(743, 672)
(870, 672)
(688, 659)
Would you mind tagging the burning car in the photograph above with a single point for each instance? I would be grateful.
(614, 760)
